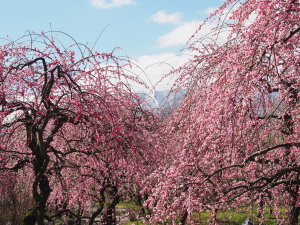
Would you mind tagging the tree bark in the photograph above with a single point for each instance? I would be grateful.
(293, 215)
(40, 188)
(109, 217)
(294, 209)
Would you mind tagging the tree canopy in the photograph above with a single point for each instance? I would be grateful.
(236, 133)
(71, 127)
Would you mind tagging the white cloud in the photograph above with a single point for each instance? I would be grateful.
(152, 68)
(178, 36)
(162, 17)
(187, 30)
(208, 11)
(104, 4)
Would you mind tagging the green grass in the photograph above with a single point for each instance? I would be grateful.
(134, 222)
(127, 204)
(231, 217)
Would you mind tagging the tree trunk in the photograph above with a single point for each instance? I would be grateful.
(183, 218)
(294, 209)
(109, 217)
(293, 215)
(100, 207)
(40, 188)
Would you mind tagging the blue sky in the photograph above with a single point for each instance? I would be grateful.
(148, 30)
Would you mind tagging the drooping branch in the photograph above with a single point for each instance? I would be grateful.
(250, 158)
(20, 164)
(291, 34)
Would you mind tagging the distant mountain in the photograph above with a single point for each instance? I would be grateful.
(164, 101)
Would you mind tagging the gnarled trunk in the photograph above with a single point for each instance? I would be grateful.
(109, 217)
(40, 188)
(294, 211)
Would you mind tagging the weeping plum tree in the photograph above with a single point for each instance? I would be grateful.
(236, 133)
(71, 128)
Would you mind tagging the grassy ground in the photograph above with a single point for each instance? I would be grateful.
(224, 218)
(232, 218)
